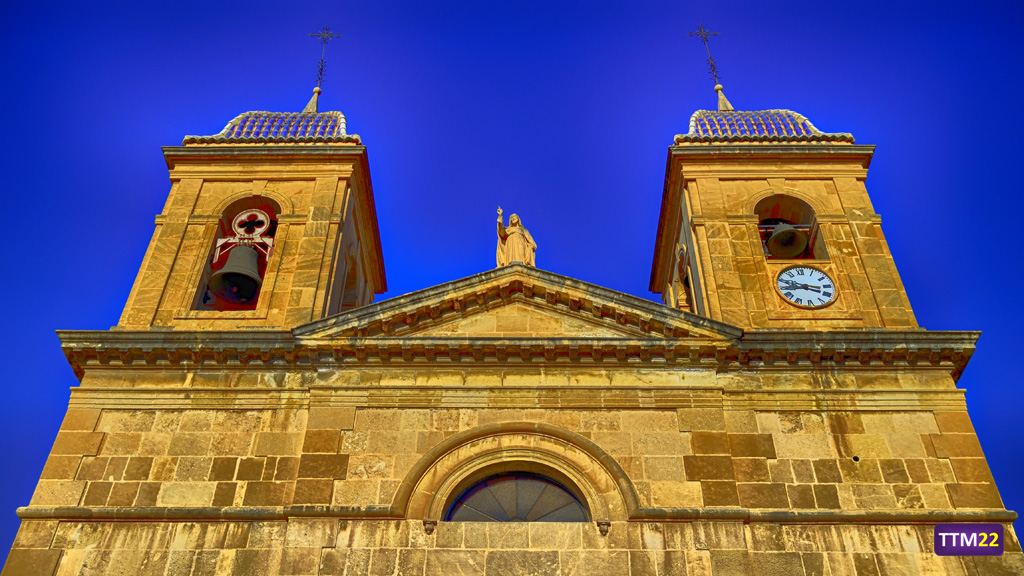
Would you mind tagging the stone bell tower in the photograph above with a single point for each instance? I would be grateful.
(756, 200)
(278, 205)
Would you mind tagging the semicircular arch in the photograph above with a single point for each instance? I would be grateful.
(440, 475)
(283, 202)
(750, 207)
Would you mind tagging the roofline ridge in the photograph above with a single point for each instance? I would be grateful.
(608, 294)
(814, 130)
(223, 134)
(227, 126)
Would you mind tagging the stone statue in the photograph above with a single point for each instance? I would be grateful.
(514, 243)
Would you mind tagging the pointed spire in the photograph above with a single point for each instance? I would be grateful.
(723, 102)
(311, 107)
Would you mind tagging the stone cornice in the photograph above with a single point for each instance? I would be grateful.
(267, 153)
(860, 153)
(279, 350)
(617, 395)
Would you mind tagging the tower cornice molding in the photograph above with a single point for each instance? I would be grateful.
(775, 152)
(263, 153)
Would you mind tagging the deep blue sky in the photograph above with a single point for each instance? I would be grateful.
(560, 111)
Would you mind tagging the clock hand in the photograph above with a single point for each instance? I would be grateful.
(797, 285)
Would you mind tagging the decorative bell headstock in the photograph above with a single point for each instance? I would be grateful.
(250, 223)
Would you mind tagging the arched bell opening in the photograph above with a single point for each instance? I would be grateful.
(789, 229)
(237, 262)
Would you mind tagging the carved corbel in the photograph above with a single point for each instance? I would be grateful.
(429, 525)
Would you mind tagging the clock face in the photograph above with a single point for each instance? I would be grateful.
(806, 287)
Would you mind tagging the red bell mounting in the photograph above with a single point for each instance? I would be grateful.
(236, 279)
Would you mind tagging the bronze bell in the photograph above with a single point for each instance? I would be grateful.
(787, 242)
(239, 280)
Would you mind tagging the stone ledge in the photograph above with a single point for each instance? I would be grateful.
(745, 515)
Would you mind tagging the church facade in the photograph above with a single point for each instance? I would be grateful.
(255, 412)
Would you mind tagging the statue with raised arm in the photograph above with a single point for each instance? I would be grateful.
(514, 243)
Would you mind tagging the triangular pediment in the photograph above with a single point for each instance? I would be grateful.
(516, 302)
(522, 318)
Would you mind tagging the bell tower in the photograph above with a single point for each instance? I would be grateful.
(269, 224)
(766, 222)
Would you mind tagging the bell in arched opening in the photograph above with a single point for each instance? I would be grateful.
(787, 241)
(238, 282)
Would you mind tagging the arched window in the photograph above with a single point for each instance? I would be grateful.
(789, 229)
(517, 497)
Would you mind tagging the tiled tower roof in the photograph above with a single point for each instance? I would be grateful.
(280, 127)
(755, 126)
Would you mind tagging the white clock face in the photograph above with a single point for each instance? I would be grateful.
(806, 286)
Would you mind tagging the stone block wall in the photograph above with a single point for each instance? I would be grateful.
(335, 473)
(676, 459)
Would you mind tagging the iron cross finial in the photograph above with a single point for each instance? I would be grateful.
(324, 36)
(704, 34)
